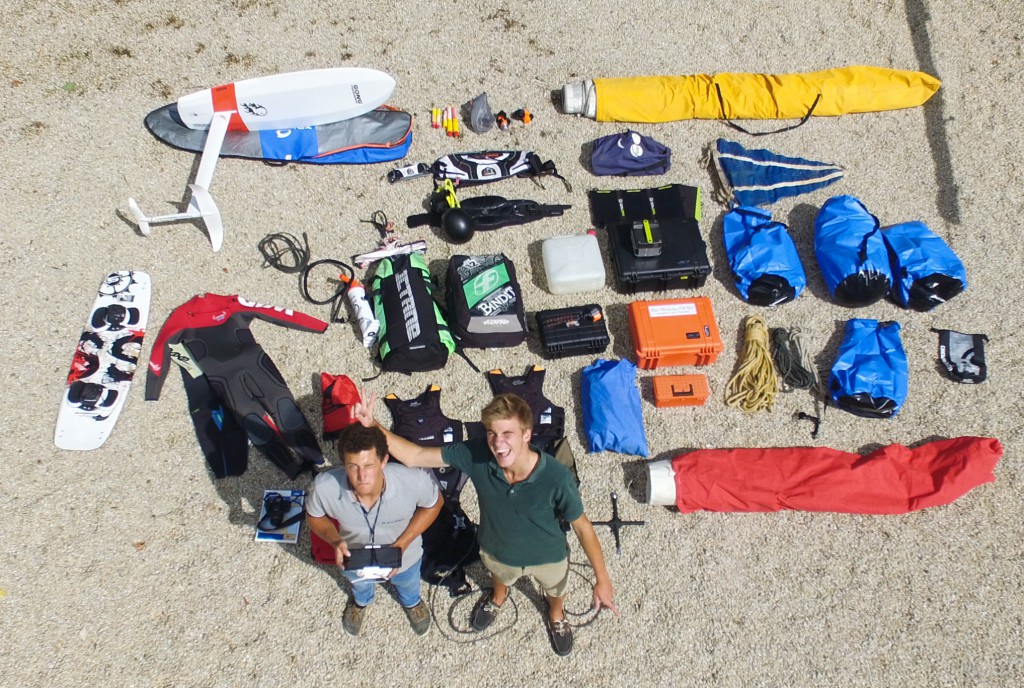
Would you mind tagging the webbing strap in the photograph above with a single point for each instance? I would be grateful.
(721, 102)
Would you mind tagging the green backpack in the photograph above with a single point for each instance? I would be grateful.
(413, 336)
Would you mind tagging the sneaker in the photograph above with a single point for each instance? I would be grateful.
(419, 617)
(352, 619)
(484, 613)
(560, 634)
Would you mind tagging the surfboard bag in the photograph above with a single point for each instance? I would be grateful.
(629, 154)
(413, 336)
(612, 417)
(963, 355)
(851, 252)
(765, 265)
(925, 270)
(493, 166)
(380, 135)
(892, 480)
(485, 302)
(870, 375)
(338, 394)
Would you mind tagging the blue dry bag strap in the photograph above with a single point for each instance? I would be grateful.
(721, 101)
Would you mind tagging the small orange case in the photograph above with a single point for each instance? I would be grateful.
(680, 390)
(674, 332)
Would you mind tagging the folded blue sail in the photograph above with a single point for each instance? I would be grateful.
(761, 177)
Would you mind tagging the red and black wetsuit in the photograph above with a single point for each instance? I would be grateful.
(215, 331)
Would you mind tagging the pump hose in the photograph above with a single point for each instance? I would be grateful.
(754, 385)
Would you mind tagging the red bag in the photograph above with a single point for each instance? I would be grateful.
(891, 480)
(338, 395)
(322, 552)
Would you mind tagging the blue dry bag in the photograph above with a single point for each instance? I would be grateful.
(763, 258)
(869, 377)
(629, 154)
(612, 418)
(925, 270)
(851, 253)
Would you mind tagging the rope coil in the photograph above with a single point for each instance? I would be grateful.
(754, 385)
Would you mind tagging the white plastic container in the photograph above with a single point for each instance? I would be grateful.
(573, 263)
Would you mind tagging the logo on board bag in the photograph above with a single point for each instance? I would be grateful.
(498, 301)
(355, 94)
(412, 319)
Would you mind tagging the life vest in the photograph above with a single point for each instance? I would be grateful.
(548, 419)
(420, 420)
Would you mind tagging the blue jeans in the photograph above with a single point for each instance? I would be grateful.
(406, 583)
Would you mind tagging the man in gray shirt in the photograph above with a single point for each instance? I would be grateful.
(374, 503)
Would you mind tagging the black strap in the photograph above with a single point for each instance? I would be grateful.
(266, 526)
(721, 102)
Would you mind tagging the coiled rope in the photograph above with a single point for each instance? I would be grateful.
(755, 384)
(793, 360)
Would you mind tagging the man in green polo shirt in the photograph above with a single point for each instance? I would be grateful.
(523, 495)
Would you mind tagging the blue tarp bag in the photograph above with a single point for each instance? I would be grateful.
(925, 270)
(612, 418)
(629, 154)
(870, 375)
(763, 258)
(851, 252)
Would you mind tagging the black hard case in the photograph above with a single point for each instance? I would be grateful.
(561, 338)
(684, 255)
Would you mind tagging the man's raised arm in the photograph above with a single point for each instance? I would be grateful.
(408, 453)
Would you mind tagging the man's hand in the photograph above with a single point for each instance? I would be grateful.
(340, 553)
(603, 595)
(362, 412)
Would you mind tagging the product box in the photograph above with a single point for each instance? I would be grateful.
(573, 263)
(573, 331)
(680, 390)
(674, 332)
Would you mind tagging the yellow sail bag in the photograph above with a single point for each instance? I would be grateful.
(826, 93)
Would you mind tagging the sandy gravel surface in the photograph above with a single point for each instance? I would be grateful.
(132, 565)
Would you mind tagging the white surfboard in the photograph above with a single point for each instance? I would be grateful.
(294, 99)
(105, 360)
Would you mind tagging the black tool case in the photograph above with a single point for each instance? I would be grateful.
(683, 261)
(573, 331)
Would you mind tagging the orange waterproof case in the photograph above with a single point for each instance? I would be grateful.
(680, 390)
(674, 332)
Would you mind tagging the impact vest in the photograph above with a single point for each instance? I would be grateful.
(420, 420)
(548, 419)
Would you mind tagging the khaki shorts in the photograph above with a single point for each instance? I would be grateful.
(553, 578)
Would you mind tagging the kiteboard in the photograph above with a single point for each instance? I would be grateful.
(105, 360)
(292, 99)
(280, 101)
